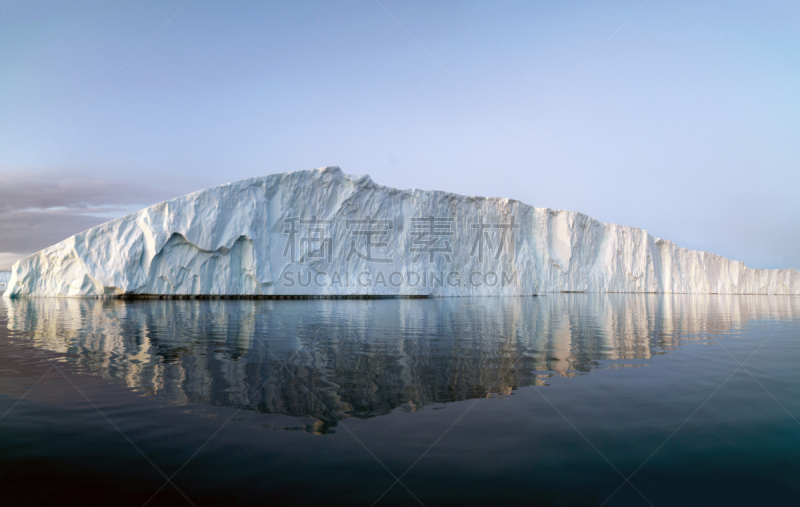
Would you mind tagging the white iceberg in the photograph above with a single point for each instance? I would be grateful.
(324, 233)
(5, 276)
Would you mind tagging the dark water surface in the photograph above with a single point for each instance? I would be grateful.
(552, 400)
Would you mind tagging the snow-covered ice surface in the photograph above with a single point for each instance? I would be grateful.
(322, 232)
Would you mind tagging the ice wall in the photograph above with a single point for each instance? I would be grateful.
(322, 232)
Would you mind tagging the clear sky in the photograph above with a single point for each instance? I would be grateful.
(682, 118)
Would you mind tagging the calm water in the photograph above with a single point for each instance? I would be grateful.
(552, 400)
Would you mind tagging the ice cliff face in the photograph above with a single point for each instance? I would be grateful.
(322, 232)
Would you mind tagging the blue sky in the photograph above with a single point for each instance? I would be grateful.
(678, 117)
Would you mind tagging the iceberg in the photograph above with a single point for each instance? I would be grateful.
(323, 233)
(5, 276)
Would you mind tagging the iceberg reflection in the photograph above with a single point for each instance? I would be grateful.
(333, 359)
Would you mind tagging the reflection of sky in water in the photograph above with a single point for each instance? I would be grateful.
(333, 359)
